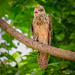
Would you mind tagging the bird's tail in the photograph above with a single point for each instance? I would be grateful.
(43, 60)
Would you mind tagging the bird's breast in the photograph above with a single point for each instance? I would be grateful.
(41, 19)
(43, 33)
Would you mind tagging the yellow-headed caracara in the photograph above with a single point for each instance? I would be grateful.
(42, 32)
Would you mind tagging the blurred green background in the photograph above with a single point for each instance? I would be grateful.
(21, 13)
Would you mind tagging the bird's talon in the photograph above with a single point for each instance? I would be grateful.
(43, 44)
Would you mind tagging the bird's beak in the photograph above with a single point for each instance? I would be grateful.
(36, 11)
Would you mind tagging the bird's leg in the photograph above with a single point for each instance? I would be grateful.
(35, 38)
(44, 41)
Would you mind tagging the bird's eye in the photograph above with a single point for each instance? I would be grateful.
(40, 10)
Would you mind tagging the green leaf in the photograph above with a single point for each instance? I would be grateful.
(7, 56)
(38, 72)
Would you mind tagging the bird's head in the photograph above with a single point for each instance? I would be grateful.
(39, 10)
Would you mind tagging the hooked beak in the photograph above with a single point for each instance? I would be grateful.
(36, 11)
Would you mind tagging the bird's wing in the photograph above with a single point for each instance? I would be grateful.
(50, 31)
(34, 32)
(32, 29)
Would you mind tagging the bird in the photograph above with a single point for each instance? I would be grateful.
(42, 32)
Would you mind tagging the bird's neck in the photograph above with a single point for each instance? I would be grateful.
(40, 16)
(40, 19)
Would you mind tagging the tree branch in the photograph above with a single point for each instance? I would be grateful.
(57, 52)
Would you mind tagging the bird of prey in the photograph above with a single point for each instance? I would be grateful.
(42, 32)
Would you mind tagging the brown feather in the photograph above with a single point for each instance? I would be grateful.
(42, 31)
(43, 60)
(50, 31)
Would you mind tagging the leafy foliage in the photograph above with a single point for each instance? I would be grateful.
(21, 13)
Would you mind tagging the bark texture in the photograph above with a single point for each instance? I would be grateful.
(57, 52)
